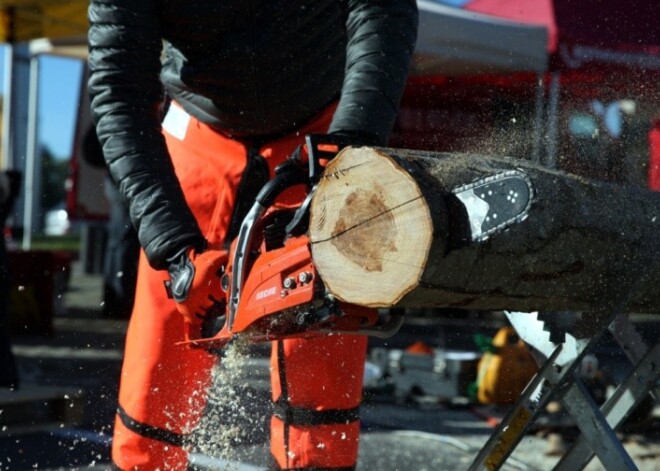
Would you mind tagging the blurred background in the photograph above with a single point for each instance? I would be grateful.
(572, 85)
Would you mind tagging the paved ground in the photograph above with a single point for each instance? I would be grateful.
(80, 364)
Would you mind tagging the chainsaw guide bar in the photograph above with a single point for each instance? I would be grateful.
(494, 203)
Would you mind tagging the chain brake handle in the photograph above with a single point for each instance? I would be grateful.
(319, 147)
(322, 147)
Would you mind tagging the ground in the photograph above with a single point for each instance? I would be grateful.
(62, 416)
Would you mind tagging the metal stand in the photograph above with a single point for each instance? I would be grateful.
(573, 336)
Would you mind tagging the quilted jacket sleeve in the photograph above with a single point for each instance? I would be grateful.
(125, 91)
(381, 40)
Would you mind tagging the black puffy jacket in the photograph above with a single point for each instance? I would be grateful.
(251, 68)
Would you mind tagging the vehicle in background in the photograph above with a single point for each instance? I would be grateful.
(58, 223)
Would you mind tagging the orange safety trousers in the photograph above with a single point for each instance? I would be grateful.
(316, 383)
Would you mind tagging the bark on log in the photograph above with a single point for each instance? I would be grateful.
(386, 230)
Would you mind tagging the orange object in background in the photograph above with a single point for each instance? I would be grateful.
(503, 374)
(420, 348)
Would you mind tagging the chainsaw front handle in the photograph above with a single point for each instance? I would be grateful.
(291, 173)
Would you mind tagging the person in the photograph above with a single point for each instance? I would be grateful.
(123, 247)
(245, 82)
(10, 183)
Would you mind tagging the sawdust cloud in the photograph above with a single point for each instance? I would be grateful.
(229, 418)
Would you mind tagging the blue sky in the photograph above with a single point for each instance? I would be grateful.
(59, 88)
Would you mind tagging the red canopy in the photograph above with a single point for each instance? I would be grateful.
(463, 37)
(528, 12)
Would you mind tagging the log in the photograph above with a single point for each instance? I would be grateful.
(388, 230)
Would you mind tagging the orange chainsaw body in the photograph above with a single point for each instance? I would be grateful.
(264, 291)
(278, 295)
(271, 286)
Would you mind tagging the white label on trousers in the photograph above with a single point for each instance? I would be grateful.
(176, 122)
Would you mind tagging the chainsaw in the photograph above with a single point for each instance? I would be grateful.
(271, 287)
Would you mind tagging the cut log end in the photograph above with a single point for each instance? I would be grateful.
(369, 219)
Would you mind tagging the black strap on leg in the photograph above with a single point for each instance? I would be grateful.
(308, 417)
(149, 431)
(284, 396)
(290, 415)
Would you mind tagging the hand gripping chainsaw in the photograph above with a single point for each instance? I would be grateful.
(271, 286)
